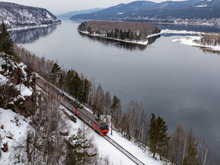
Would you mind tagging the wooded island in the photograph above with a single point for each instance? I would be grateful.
(133, 32)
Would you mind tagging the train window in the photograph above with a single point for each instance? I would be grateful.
(104, 127)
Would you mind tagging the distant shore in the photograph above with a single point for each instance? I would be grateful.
(32, 27)
(191, 40)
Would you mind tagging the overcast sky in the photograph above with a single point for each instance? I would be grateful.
(63, 6)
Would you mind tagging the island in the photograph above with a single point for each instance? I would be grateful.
(131, 32)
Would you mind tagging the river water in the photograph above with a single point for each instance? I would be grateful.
(180, 83)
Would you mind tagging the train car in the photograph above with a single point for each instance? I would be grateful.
(98, 125)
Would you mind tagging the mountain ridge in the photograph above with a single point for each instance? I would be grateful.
(149, 9)
(72, 13)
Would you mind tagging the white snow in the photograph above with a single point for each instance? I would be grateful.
(201, 6)
(121, 13)
(48, 16)
(32, 27)
(16, 130)
(3, 79)
(18, 17)
(25, 91)
(168, 31)
(190, 40)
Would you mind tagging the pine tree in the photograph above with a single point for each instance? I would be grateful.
(114, 108)
(191, 158)
(157, 134)
(86, 90)
(55, 73)
(78, 148)
(6, 45)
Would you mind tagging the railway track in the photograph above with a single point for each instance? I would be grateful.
(124, 151)
(110, 140)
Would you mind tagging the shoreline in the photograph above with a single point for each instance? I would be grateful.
(32, 27)
(144, 43)
(189, 40)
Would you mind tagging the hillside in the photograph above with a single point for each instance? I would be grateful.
(68, 15)
(151, 10)
(17, 126)
(19, 16)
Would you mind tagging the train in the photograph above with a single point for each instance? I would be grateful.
(77, 109)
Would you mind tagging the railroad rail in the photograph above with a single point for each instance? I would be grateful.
(124, 151)
(110, 140)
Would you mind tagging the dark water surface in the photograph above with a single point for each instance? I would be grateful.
(180, 83)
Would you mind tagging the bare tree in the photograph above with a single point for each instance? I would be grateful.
(177, 142)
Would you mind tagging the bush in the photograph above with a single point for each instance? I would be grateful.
(5, 148)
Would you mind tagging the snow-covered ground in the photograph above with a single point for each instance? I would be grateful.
(190, 40)
(13, 129)
(168, 31)
(108, 150)
(14, 126)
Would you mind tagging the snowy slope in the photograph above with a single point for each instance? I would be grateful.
(108, 150)
(13, 129)
(17, 16)
(105, 149)
(14, 126)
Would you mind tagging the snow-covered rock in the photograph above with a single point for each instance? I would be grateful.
(19, 16)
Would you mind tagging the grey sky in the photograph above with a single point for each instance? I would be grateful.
(63, 6)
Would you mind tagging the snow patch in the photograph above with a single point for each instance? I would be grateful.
(201, 6)
(121, 13)
(190, 40)
(11, 127)
(25, 91)
(3, 79)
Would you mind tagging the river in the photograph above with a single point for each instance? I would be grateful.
(180, 83)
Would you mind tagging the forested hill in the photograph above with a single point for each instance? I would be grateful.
(17, 16)
(151, 10)
(131, 31)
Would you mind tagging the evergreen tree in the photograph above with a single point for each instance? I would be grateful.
(73, 83)
(6, 45)
(78, 148)
(116, 33)
(55, 73)
(121, 35)
(157, 134)
(86, 90)
(116, 110)
(61, 80)
(191, 158)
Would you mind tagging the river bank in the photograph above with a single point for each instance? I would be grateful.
(195, 42)
(33, 27)
(114, 39)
